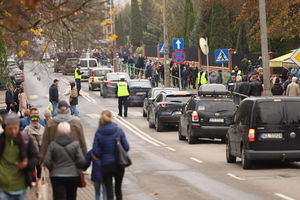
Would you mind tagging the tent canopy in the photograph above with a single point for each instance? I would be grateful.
(283, 61)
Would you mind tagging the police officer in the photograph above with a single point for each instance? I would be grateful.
(202, 78)
(123, 93)
(236, 72)
(77, 75)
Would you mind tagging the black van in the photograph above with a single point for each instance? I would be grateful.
(265, 128)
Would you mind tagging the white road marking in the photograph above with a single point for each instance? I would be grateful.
(196, 160)
(284, 196)
(137, 114)
(171, 149)
(235, 177)
(136, 133)
(94, 116)
(33, 97)
(142, 132)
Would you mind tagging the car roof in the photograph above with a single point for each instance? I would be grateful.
(212, 98)
(268, 99)
(139, 80)
(177, 93)
(172, 89)
(100, 68)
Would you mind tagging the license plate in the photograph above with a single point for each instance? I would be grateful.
(271, 135)
(140, 93)
(216, 120)
(177, 113)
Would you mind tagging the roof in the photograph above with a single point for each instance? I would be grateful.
(279, 61)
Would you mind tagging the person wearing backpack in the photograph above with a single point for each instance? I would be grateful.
(104, 148)
(18, 158)
(64, 158)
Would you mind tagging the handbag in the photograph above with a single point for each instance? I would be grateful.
(43, 186)
(122, 156)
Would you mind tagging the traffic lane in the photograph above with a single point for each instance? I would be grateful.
(224, 170)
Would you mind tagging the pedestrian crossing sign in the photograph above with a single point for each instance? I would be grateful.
(222, 55)
(296, 57)
(161, 48)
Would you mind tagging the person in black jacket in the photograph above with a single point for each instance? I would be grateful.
(18, 157)
(9, 98)
(277, 88)
(256, 87)
(54, 96)
(16, 98)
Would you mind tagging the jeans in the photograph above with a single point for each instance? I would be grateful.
(55, 108)
(98, 186)
(74, 110)
(78, 85)
(5, 196)
(123, 101)
(65, 188)
(111, 171)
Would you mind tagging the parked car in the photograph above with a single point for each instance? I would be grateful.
(138, 91)
(152, 94)
(86, 65)
(97, 77)
(166, 109)
(265, 128)
(60, 58)
(108, 87)
(206, 117)
(70, 65)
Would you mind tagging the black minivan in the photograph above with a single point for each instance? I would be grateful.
(265, 128)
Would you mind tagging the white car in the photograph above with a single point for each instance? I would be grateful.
(86, 65)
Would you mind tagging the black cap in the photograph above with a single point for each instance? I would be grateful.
(56, 80)
(63, 105)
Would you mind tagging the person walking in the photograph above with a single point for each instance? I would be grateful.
(22, 101)
(26, 120)
(16, 98)
(9, 98)
(51, 134)
(277, 88)
(78, 76)
(122, 94)
(104, 147)
(73, 99)
(202, 78)
(64, 158)
(18, 157)
(293, 89)
(54, 96)
(47, 116)
(96, 175)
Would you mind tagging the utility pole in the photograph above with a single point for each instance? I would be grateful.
(166, 46)
(264, 46)
(114, 57)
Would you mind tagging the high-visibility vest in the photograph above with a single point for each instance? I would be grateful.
(202, 78)
(238, 73)
(123, 89)
(76, 74)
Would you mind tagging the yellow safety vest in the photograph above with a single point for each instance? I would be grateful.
(238, 73)
(123, 89)
(202, 79)
(76, 74)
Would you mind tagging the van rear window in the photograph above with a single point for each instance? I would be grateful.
(270, 113)
(212, 106)
(293, 112)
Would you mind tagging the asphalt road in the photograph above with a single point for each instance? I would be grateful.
(165, 168)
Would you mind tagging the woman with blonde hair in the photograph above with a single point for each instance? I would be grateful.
(104, 148)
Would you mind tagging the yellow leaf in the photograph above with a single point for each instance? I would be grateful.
(111, 12)
(24, 43)
(45, 48)
(62, 9)
(22, 53)
(112, 37)
(36, 31)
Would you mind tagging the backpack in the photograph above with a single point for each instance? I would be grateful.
(25, 140)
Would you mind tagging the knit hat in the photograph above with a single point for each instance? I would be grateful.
(12, 118)
(63, 105)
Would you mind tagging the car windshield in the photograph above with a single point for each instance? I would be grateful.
(216, 106)
(72, 62)
(101, 72)
(158, 91)
(268, 113)
(92, 63)
(140, 84)
(115, 76)
(179, 98)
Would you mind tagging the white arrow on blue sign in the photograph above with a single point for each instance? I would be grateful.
(178, 43)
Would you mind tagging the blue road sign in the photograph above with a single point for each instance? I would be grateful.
(161, 48)
(178, 43)
(178, 56)
(222, 55)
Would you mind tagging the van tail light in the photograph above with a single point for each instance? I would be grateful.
(251, 135)
(195, 117)
(108, 83)
(163, 105)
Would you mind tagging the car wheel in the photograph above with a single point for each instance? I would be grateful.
(246, 164)
(190, 138)
(180, 136)
(230, 158)
(151, 125)
(158, 126)
(144, 113)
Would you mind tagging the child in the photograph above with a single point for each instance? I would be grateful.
(96, 174)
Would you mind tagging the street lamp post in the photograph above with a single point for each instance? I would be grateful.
(264, 46)
(166, 47)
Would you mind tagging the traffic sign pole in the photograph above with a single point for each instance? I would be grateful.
(207, 60)
(180, 82)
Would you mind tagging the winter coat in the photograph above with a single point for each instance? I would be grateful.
(53, 94)
(96, 167)
(213, 78)
(104, 146)
(293, 90)
(9, 98)
(51, 133)
(26, 151)
(277, 89)
(22, 102)
(73, 96)
(255, 88)
(35, 135)
(64, 157)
